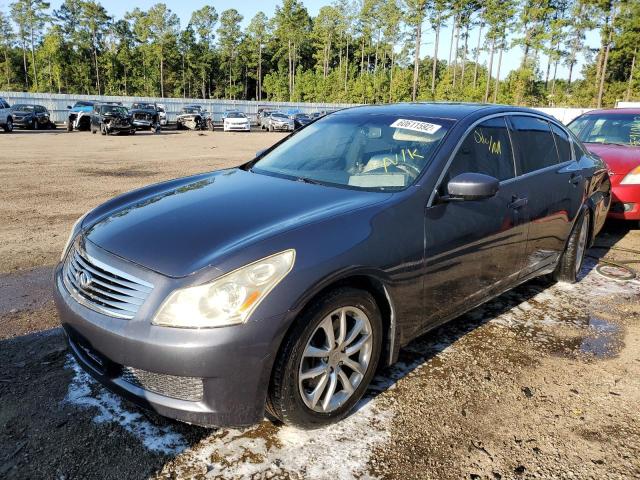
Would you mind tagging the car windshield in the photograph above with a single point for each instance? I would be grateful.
(83, 104)
(379, 152)
(190, 110)
(301, 116)
(613, 128)
(235, 115)
(24, 108)
(113, 109)
(144, 106)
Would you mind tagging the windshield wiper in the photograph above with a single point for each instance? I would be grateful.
(307, 180)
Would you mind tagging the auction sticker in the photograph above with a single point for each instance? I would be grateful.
(416, 126)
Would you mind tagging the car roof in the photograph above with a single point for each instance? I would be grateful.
(614, 111)
(448, 110)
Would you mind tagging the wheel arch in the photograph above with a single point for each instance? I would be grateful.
(369, 283)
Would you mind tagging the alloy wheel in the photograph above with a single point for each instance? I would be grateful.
(335, 359)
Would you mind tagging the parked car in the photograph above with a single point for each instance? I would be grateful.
(300, 120)
(145, 116)
(162, 113)
(194, 117)
(262, 112)
(31, 116)
(79, 117)
(236, 121)
(279, 122)
(110, 118)
(285, 282)
(6, 116)
(264, 119)
(614, 135)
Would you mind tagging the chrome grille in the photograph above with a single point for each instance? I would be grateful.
(182, 388)
(103, 288)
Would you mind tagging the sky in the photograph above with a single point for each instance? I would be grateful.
(248, 8)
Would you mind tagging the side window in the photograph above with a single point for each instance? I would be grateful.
(534, 143)
(487, 149)
(563, 143)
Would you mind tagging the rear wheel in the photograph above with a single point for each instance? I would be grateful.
(571, 260)
(327, 360)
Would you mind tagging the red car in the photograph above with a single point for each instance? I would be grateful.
(614, 135)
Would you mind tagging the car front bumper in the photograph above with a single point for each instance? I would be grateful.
(625, 203)
(232, 364)
(282, 127)
(237, 127)
(22, 122)
(142, 124)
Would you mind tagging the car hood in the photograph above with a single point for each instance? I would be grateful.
(182, 226)
(236, 120)
(142, 110)
(620, 159)
(22, 112)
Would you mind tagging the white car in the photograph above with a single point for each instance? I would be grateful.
(6, 119)
(162, 113)
(236, 122)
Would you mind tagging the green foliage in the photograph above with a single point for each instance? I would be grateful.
(360, 51)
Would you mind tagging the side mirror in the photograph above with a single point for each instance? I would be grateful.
(260, 152)
(69, 107)
(471, 186)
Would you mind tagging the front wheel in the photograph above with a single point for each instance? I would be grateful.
(8, 127)
(327, 360)
(572, 258)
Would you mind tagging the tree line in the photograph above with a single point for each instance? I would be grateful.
(357, 51)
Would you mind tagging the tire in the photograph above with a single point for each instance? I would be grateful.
(103, 129)
(571, 260)
(285, 399)
(8, 127)
(94, 130)
(52, 125)
(69, 125)
(271, 128)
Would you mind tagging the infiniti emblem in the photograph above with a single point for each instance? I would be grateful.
(84, 279)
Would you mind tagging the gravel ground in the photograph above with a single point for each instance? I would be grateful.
(542, 382)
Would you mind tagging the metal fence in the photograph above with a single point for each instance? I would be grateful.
(57, 104)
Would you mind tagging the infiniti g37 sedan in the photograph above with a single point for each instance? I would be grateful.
(281, 285)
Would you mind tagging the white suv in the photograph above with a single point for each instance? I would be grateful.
(6, 120)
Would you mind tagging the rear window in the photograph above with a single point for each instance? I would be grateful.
(535, 145)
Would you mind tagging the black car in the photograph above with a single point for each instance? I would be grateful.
(145, 116)
(300, 120)
(31, 116)
(109, 118)
(285, 282)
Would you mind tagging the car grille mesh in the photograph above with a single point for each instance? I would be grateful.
(103, 288)
(182, 388)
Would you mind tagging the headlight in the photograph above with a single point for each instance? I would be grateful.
(632, 178)
(74, 233)
(227, 300)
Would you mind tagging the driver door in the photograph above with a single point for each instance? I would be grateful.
(475, 246)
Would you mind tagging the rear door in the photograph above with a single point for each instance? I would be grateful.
(475, 246)
(551, 181)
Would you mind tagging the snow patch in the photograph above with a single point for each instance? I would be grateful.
(85, 392)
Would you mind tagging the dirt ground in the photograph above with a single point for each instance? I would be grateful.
(542, 382)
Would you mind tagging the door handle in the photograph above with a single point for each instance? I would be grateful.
(576, 178)
(518, 202)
